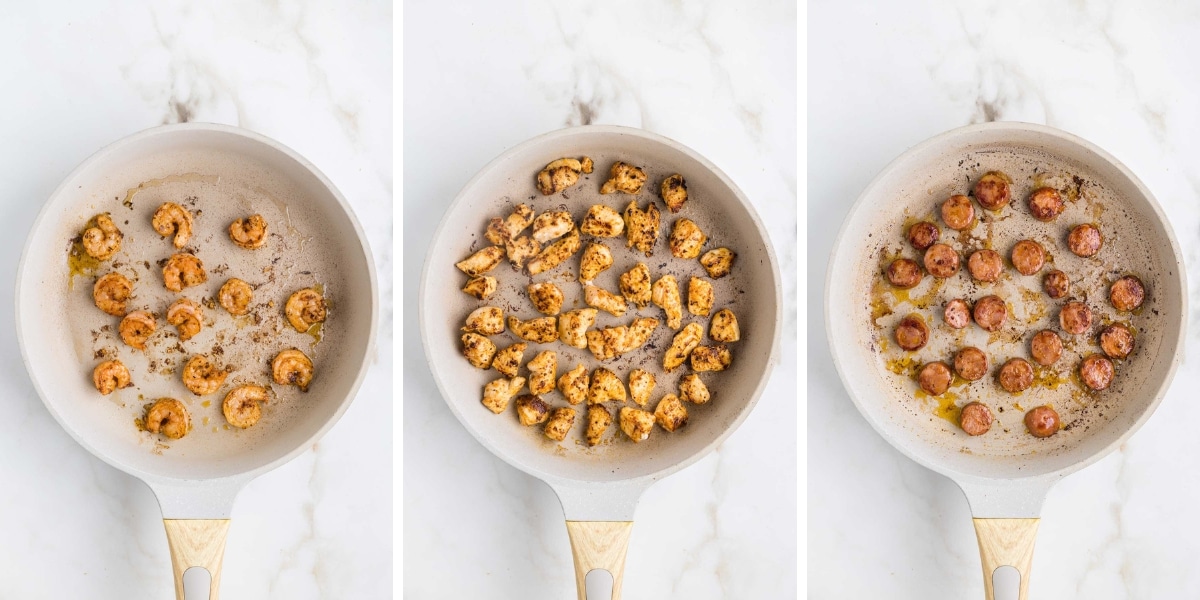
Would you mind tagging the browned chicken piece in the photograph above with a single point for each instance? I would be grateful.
(718, 262)
(478, 350)
(635, 285)
(560, 175)
(487, 320)
(501, 231)
(636, 423)
(665, 294)
(604, 300)
(724, 327)
(532, 410)
(560, 423)
(574, 384)
(497, 393)
(624, 178)
(641, 384)
(686, 239)
(605, 386)
(540, 331)
(481, 287)
(671, 414)
(700, 297)
(552, 225)
(711, 358)
(598, 421)
(682, 346)
(482, 261)
(673, 191)
(508, 360)
(611, 342)
(602, 221)
(641, 227)
(554, 254)
(542, 371)
(521, 250)
(546, 297)
(693, 390)
(596, 258)
(573, 326)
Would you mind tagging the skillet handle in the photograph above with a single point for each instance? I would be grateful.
(1006, 543)
(197, 543)
(599, 545)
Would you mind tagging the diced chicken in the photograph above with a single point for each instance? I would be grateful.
(611, 342)
(482, 261)
(686, 239)
(560, 423)
(670, 414)
(574, 384)
(542, 371)
(711, 358)
(497, 393)
(521, 250)
(552, 225)
(641, 227)
(692, 389)
(546, 297)
(596, 258)
(560, 175)
(724, 327)
(605, 386)
(540, 331)
(602, 221)
(500, 231)
(508, 360)
(718, 262)
(478, 350)
(674, 192)
(573, 326)
(487, 320)
(624, 178)
(635, 285)
(532, 410)
(604, 300)
(665, 294)
(700, 297)
(481, 287)
(636, 423)
(641, 384)
(598, 421)
(682, 346)
(555, 253)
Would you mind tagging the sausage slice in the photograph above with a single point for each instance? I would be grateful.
(970, 363)
(1045, 204)
(1127, 293)
(992, 190)
(1057, 284)
(923, 234)
(975, 419)
(957, 313)
(941, 261)
(1028, 257)
(1085, 240)
(1096, 371)
(985, 265)
(958, 212)
(1116, 341)
(1042, 422)
(912, 333)
(1016, 375)
(991, 313)
(1046, 347)
(904, 273)
(935, 378)
(1075, 317)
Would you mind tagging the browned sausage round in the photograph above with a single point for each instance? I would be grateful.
(992, 190)
(1116, 341)
(1127, 293)
(923, 234)
(941, 261)
(1028, 257)
(957, 313)
(1057, 284)
(904, 273)
(935, 378)
(991, 313)
(975, 419)
(1075, 317)
(1045, 204)
(985, 265)
(970, 363)
(1042, 422)
(958, 212)
(1096, 372)
(1046, 347)
(912, 333)
(1016, 375)
(1085, 240)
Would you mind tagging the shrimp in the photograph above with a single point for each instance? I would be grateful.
(306, 308)
(186, 316)
(103, 240)
(292, 367)
(201, 377)
(171, 218)
(169, 417)
(110, 293)
(183, 270)
(136, 328)
(241, 405)
(249, 233)
(110, 375)
(235, 296)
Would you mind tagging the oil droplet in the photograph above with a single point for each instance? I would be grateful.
(206, 404)
(79, 262)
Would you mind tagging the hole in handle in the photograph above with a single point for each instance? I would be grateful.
(197, 583)
(598, 583)
(1006, 583)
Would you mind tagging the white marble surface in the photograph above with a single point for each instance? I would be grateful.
(483, 76)
(1119, 74)
(78, 75)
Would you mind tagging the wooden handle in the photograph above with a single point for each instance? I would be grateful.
(1006, 542)
(599, 545)
(197, 543)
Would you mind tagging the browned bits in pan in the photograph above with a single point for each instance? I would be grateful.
(993, 190)
(1028, 257)
(1116, 341)
(1045, 204)
(1016, 375)
(935, 378)
(904, 273)
(941, 261)
(1075, 318)
(970, 363)
(958, 213)
(991, 313)
(975, 419)
(923, 234)
(912, 333)
(1042, 422)
(957, 313)
(1057, 284)
(1045, 347)
(985, 265)
(1127, 293)
(1085, 240)
(1096, 371)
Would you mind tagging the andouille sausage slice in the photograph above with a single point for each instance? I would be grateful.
(935, 378)
(958, 213)
(993, 190)
(1116, 341)
(975, 418)
(941, 261)
(1127, 293)
(904, 273)
(1085, 240)
(1096, 371)
(985, 265)
(1028, 257)
(1057, 284)
(912, 333)
(1045, 347)
(1042, 422)
(923, 234)
(957, 313)
(991, 313)
(1045, 204)
(1016, 375)
(1075, 317)
(970, 363)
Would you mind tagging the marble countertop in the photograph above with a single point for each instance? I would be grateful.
(716, 76)
(1116, 73)
(78, 75)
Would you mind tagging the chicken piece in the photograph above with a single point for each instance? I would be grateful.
(560, 423)
(559, 175)
(574, 384)
(602, 221)
(604, 300)
(623, 178)
(521, 250)
(532, 410)
(700, 297)
(637, 424)
(546, 297)
(586, 164)
(596, 258)
(718, 262)
(555, 253)
(542, 371)
(641, 227)
(682, 346)
(573, 326)
(481, 287)
(641, 384)
(497, 393)
(500, 231)
(670, 414)
(481, 262)
(598, 421)
(487, 320)
(611, 342)
(635, 285)
(665, 294)
(724, 327)
(686, 239)
(673, 191)
(551, 225)
(711, 358)
(692, 389)
(508, 360)
(539, 331)
(605, 386)
(478, 350)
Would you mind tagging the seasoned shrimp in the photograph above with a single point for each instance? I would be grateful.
(241, 405)
(202, 377)
(292, 367)
(169, 417)
(110, 293)
(136, 328)
(109, 376)
(171, 218)
(183, 270)
(249, 233)
(304, 309)
(103, 240)
(186, 316)
(235, 296)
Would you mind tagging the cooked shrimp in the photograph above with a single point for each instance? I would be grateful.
(103, 240)
(110, 293)
(235, 296)
(136, 328)
(241, 405)
(110, 375)
(201, 377)
(186, 316)
(306, 308)
(249, 233)
(292, 367)
(169, 417)
(183, 270)
(171, 218)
